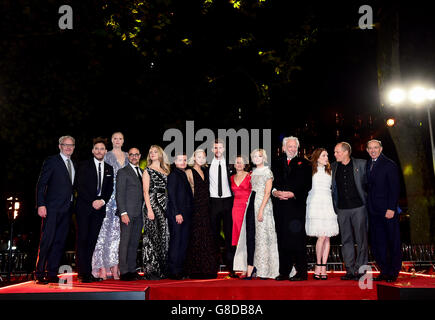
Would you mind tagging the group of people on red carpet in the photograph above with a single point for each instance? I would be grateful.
(185, 212)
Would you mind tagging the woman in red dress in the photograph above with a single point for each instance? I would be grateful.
(241, 186)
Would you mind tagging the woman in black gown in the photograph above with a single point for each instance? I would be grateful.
(201, 258)
(155, 239)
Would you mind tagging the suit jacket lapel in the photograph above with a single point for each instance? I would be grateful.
(63, 164)
(133, 174)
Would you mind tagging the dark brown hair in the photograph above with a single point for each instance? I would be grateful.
(314, 157)
(100, 140)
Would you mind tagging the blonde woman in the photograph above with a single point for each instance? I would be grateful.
(105, 258)
(201, 257)
(264, 261)
(155, 233)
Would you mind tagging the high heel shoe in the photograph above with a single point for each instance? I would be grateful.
(315, 275)
(323, 276)
(253, 274)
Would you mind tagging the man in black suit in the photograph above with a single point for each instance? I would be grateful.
(54, 195)
(383, 197)
(94, 186)
(179, 212)
(350, 197)
(129, 201)
(292, 181)
(221, 202)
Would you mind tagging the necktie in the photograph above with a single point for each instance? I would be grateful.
(68, 166)
(138, 175)
(371, 166)
(288, 161)
(220, 180)
(99, 179)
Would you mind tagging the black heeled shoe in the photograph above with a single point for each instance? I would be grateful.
(323, 276)
(315, 275)
(253, 274)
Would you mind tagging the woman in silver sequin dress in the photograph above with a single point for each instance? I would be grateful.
(155, 239)
(105, 258)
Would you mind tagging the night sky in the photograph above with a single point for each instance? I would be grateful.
(88, 82)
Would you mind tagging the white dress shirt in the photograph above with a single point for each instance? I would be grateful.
(213, 176)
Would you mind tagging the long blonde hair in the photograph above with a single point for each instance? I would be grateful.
(163, 158)
(191, 161)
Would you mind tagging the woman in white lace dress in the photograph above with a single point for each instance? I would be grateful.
(266, 261)
(321, 220)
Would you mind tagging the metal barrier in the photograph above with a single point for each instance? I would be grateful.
(413, 256)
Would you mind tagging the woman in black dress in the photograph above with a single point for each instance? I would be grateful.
(201, 258)
(156, 233)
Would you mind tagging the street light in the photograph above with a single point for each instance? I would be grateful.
(417, 95)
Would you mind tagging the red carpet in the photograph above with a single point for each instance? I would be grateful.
(231, 289)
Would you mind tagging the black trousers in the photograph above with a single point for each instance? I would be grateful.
(250, 230)
(54, 231)
(178, 241)
(221, 210)
(291, 236)
(88, 229)
(385, 243)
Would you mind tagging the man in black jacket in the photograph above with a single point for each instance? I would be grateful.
(129, 201)
(179, 212)
(94, 186)
(54, 195)
(292, 181)
(383, 198)
(350, 198)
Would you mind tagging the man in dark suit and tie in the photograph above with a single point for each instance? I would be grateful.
(349, 198)
(54, 195)
(179, 212)
(221, 202)
(383, 197)
(129, 201)
(94, 186)
(291, 184)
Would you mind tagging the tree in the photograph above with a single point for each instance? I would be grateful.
(408, 135)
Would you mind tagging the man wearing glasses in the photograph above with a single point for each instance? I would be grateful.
(54, 195)
(129, 201)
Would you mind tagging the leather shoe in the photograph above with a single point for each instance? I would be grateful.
(95, 279)
(281, 278)
(232, 274)
(299, 277)
(41, 280)
(381, 277)
(348, 276)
